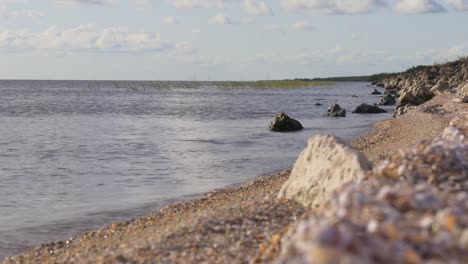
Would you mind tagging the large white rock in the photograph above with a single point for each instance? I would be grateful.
(325, 165)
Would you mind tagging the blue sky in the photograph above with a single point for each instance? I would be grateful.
(225, 39)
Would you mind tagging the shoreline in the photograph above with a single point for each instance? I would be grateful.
(245, 218)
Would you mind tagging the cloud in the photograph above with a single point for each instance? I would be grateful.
(460, 5)
(6, 13)
(197, 3)
(87, 2)
(301, 25)
(84, 38)
(169, 20)
(260, 9)
(221, 19)
(418, 7)
(335, 6)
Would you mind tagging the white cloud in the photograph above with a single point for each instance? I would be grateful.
(460, 5)
(197, 3)
(6, 13)
(418, 6)
(335, 6)
(87, 2)
(259, 9)
(301, 25)
(169, 20)
(221, 19)
(84, 38)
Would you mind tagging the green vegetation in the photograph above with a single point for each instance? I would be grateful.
(371, 78)
(463, 58)
(345, 79)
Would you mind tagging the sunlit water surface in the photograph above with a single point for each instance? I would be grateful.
(75, 155)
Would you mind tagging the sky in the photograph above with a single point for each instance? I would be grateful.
(225, 39)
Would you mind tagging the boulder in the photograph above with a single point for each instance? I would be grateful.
(376, 92)
(368, 109)
(388, 99)
(407, 98)
(326, 164)
(318, 104)
(283, 123)
(335, 110)
(440, 87)
(462, 93)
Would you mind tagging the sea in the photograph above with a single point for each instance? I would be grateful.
(77, 155)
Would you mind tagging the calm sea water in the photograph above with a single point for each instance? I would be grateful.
(75, 155)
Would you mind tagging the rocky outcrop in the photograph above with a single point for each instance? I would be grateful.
(326, 164)
(335, 110)
(368, 109)
(376, 92)
(419, 84)
(283, 123)
(413, 208)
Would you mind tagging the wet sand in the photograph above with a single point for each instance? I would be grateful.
(234, 225)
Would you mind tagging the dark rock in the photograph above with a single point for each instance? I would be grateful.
(283, 123)
(380, 84)
(335, 110)
(354, 96)
(376, 92)
(388, 99)
(318, 104)
(393, 92)
(368, 109)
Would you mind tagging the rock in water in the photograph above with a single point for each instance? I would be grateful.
(335, 110)
(376, 92)
(368, 109)
(326, 164)
(283, 123)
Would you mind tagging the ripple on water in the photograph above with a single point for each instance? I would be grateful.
(75, 154)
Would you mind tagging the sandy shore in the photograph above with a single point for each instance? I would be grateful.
(236, 225)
